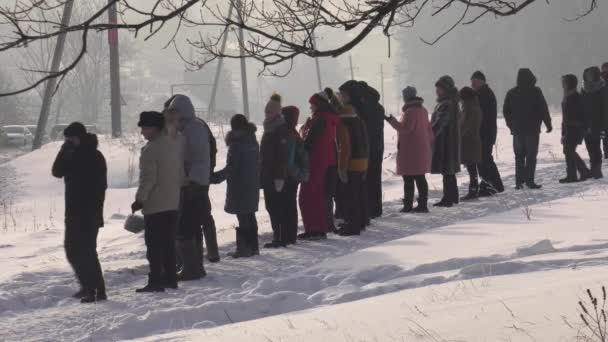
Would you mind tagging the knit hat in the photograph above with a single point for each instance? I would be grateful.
(291, 115)
(409, 93)
(151, 119)
(478, 75)
(238, 121)
(75, 129)
(273, 107)
(570, 81)
(445, 82)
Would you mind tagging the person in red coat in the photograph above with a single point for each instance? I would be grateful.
(414, 150)
(319, 134)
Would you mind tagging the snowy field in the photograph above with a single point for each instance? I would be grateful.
(508, 268)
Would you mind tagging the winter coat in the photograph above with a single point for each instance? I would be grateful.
(274, 153)
(83, 169)
(196, 149)
(525, 107)
(160, 175)
(353, 146)
(372, 114)
(446, 135)
(415, 139)
(489, 114)
(242, 172)
(573, 119)
(470, 139)
(595, 99)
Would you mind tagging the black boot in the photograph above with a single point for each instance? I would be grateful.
(191, 258)
(92, 296)
(486, 189)
(473, 190)
(152, 286)
(243, 249)
(213, 254)
(596, 171)
(422, 205)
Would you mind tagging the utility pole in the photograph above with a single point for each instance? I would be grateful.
(115, 102)
(314, 45)
(243, 62)
(382, 83)
(49, 89)
(220, 64)
(352, 70)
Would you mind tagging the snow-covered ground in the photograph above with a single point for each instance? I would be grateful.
(508, 268)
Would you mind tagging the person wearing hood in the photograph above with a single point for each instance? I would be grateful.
(491, 183)
(573, 130)
(366, 102)
(414, 149)
(160, 180)
(242, 175)
(83, 169)
(470, 139)
(595, 103)
(525, 109)
(319, 136)
(195, 208)
(297, 172)
(446, 140)
(274, 156)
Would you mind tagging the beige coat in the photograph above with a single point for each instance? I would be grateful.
(160, 175)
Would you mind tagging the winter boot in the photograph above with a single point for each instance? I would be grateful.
(191, 260)
(210, 233)
(486, 189)
(533, 186)
(473, 190)
(92, 296)
(422, 205)
(596, 171)
(153, 286)
(243, 247)
(568, 180)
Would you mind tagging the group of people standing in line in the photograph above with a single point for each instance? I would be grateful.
(334, 158)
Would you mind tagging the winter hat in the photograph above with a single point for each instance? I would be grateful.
(151, 119)
(291, 115)
(409, 93)
(467, 94)
(273, 107)
(478, 75)
(445, 82)
(238, 121)
(75, 129)
(570, 81)
(605, 66)
(319, 99)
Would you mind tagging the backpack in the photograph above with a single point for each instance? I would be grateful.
(298, 167)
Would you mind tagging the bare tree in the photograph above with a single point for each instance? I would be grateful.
(276, 30)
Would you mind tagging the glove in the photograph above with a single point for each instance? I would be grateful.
(549, 128)
(136, 206)
(343, 175)
(279, 184)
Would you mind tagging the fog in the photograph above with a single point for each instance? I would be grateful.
(540, 38)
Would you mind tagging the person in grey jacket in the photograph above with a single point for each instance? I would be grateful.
(158, 195)
(195, 205)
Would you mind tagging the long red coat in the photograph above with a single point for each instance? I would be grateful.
(415, 139)
(322, 154)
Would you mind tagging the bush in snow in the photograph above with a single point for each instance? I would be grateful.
(593, 316)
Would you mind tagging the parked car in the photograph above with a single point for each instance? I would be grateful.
(17, 135)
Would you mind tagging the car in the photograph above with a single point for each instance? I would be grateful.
(17, 135)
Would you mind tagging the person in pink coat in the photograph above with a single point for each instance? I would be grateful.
(415, 137)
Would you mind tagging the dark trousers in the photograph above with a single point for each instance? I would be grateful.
(81, 251)
(340, 200)
(408, 191)
(450, 189)
(374, 189)
(488, 171)
(247, 233)
(472, 169)
(276, 205)
(160, 244)
(525, 147)
(291, 211)
(594, 147)
(355, 208)
(195, 212)
(605, 143)
(574, 162)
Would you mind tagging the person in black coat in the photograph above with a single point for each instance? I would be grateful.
(525, 109)
(491, 182)
(242, 173)
(573, 130)
(605, 78)
(594, 99)
(83, 169)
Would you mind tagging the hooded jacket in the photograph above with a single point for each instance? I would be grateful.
(595, 101)
(525, 107)
(196, 146)
(446, 134)
(84, 171)
(470, 141)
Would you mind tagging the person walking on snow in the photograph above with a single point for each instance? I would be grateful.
(160, 179)
(274, 157)
(319, 136)
(446, 140)
(595, 101)
(573, 130)
(470, 140)
(414, 149)
(242, 174)
(525, 109)
(84, 171)
(491, 183)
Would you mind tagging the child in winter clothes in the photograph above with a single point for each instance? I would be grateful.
(573, 130)
(415, 138)
(470, 139)
(242, 176)
(319, 139)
